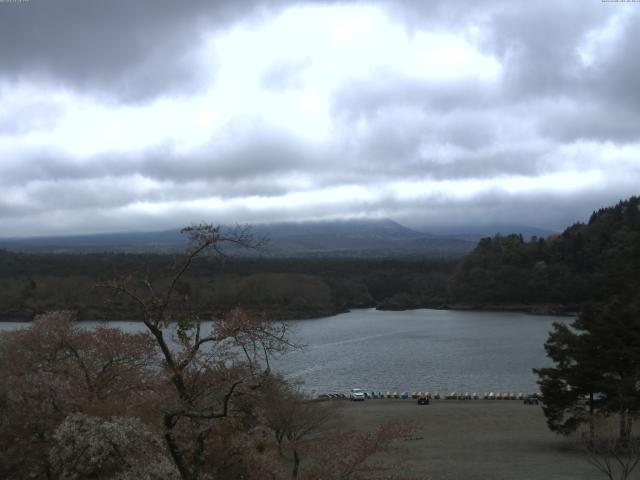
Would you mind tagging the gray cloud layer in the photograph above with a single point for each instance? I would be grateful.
(565, 102)
(122, 49)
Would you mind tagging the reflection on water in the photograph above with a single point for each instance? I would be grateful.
(435, 350)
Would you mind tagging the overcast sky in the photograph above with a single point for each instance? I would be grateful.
(125, 115)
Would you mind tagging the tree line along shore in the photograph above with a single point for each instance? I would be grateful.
(559, 274)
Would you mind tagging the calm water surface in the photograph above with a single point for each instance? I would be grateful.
(435, 350)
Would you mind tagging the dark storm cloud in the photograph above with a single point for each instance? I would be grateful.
(129, 50)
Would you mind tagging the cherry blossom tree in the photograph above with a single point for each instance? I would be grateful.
(208, 366)
(116, 449)
(55, 368)
(186, 399)
(293, 418)
(340, 455)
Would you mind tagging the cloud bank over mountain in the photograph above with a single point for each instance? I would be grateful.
(152, 114)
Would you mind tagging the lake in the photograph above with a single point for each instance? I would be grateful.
(434, 350)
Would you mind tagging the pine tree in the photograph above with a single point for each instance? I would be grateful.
(597, 368)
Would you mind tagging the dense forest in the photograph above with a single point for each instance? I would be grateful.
(587, 262)
(280, 287)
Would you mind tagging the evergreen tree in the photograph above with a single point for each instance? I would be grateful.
(597, 367)
(571, 389)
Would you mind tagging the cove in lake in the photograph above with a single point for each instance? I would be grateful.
(434, 350)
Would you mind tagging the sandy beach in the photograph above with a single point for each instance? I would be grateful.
(476, 439)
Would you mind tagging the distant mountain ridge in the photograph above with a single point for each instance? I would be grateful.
(157, 241)
(355, 237)
(365, 237)
(360, 237)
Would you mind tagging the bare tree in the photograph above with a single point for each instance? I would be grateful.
(207, 366)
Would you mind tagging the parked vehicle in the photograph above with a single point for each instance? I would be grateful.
(356, 395)
(531, 399)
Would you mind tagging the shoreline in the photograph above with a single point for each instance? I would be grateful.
(548, 310)
(555, 310)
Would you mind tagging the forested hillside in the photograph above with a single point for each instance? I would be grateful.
(587, 262)
(279, 287)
